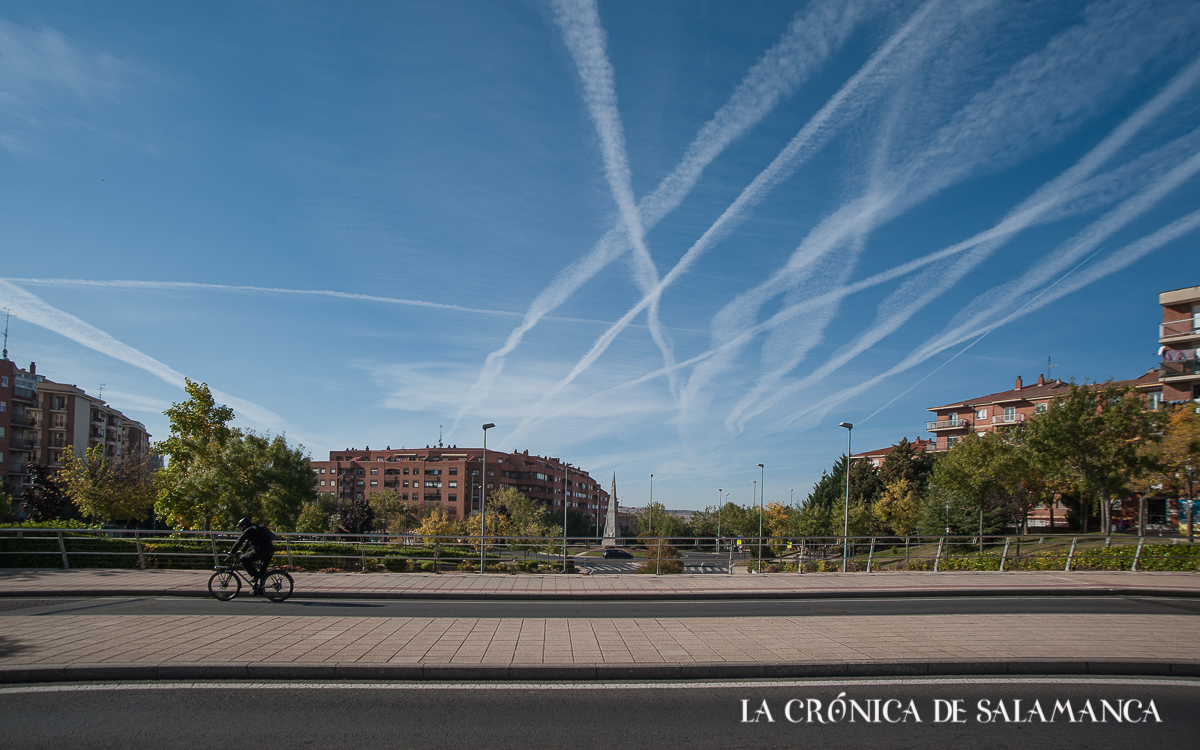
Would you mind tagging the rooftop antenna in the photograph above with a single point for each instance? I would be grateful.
(6, 314)
(1049, 370)
(101, 396)
(439, 436)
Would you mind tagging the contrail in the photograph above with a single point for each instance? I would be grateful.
(1037, 208)
(33, 309)
(987, 311)
(1078, 67)
(810, 139)
(585, 38)
(810, 40)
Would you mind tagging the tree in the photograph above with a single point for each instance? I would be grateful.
(437, 524)
(972, 475)
(1094, 436)
(105, 489)
(46, 498)
(218, 474)
(1174, 461)
(824, 508)
(898, 507)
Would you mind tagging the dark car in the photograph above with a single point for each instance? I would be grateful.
(614, 553)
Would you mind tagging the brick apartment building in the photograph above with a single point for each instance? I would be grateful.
(1179, 337)
(40, 418)
(449, 477)
(920, 445)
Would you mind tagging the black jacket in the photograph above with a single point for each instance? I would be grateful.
(257, 536)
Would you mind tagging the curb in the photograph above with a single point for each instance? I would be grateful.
(648, 595)
(588, 672)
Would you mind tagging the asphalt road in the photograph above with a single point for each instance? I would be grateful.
(298, 606)
(609, 716)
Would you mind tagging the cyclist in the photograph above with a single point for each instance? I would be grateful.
(259, 539)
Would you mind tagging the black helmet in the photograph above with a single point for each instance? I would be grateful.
(244, 523)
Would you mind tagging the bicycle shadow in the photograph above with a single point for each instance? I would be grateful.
(11, 647)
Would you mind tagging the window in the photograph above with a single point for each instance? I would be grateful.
(454, 471)
(360, 472)
(1039, 408)
(322, 471)
(4, 381)
(359, 496)
(491, 472)
(1, 432)
(981, 414)
(453, 498)
(359, 483)
(3, 406)
(406, 470)
(951, 441)
(453, 484)
(404, 496)
(1155, 398)
(374, 471)
(60, 403)
(405, 482)
(374, 482)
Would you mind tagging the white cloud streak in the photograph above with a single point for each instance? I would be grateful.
(843, 107)
(1008, 302)
(1046, 202)
(810, 40)
(33, 309)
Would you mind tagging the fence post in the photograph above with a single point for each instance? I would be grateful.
(137, 539)
(937, 560)
(1071, 554)
(1137, 556)
(730, 559)
(800, 560)
(437, 548)
(288, 544)
(362, 553)
(212, 537)
(906, 553)
(62, 550)
(1004, 554)
(871, 555)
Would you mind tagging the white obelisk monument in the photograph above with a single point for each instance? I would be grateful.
(612, 525)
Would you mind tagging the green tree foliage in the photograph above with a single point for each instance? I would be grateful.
(105, 489)
(898, 507)
(1169, 458)
(973, 478)
(655, 520)
(46, 498)
(218, 474)
(824, 509)
(1093, 436)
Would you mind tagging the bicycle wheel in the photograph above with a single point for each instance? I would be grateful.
(278, 585)
(224, 585)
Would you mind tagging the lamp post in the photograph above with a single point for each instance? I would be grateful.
(483, 502)
(718, 519)
(650, 509)
(761, 497)
(846, 517)
(1191, 507)
(566, 484)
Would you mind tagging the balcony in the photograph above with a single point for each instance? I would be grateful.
(24, 394)
(1187, 368)
(23, 420)
(1008, 418)
(17, 468)
(22, 444)
(948, 424)
(1178, 329)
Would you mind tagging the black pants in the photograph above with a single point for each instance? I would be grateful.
(257, 573)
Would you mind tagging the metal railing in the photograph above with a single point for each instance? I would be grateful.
(1184, 327)
(1008, 418)
(1179, 368)
(120, 548)
(947, 424)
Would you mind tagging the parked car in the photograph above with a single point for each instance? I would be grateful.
(612, 553)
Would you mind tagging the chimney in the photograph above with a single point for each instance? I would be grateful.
(1041, 380)
(1018, 382)
(33, 368)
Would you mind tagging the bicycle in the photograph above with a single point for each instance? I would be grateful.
(226, 582)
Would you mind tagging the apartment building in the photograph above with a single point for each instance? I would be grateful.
(450, 477)
(40, 419)
(982, 414)
(1179, 344)
(920, 445)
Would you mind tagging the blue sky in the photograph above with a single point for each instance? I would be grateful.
(678, 238)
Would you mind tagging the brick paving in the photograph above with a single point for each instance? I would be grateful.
(14, 582)
(81, 647)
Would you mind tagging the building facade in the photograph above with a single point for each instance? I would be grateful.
(40, 419)
(449, 477)
(920, 445)
(1179, 342)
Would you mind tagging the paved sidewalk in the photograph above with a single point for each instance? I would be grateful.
(42, 582)
(83, 647)
(113, 647)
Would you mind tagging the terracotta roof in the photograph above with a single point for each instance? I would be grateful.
(920, 444)
(1048, 390)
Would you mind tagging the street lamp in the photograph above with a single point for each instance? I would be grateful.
(566, 484)
(846, 528)
(1191, 506)
(718, 519)
(761, 496)
(650, 510)
(483, 502)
